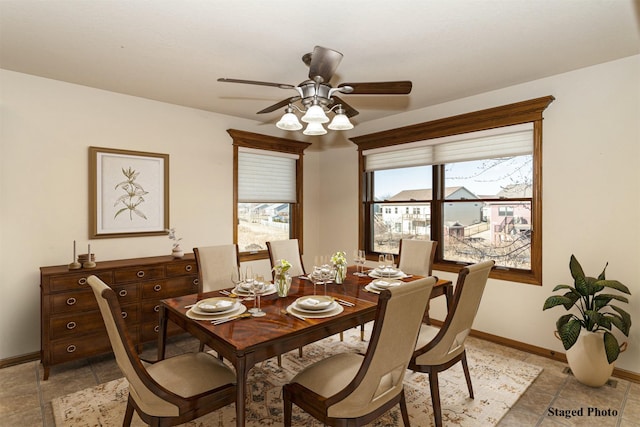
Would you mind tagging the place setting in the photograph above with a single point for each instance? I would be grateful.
(216, 309)
(387, 269)
(317, 307)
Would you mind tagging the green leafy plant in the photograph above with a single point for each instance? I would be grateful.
(596, 311)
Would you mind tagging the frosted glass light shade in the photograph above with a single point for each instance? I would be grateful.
(315, 128)
(289, 121)
(340, 122)
(315, 114)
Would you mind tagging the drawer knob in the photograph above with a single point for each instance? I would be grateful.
(71, 325)
(123, 293)
(124, 314)
(71, 301)
(82, 281)
(156, 308)
(71, 348)
(140, 274)
(189, 267)
(157, 288)
(156, 329)
(196, 282)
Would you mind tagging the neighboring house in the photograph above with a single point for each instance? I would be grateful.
(402, 213)
(510, 218)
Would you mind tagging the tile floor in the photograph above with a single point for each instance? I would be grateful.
(25, 399)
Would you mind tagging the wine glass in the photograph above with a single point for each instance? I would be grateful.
(248, 280)
(315, 277)
(236, 277)
(258, 287)
(389, 262)
(381, 262)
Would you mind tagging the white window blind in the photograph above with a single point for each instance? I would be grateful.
(506, 141)
(266, 176)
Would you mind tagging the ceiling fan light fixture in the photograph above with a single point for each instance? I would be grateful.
(315, 128)
(289, 121)
(315, 114)
(340, 122)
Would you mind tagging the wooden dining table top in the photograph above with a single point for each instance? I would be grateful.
(247, 341)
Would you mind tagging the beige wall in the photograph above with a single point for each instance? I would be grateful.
(591, 152)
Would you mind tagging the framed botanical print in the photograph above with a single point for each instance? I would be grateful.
(128, 193)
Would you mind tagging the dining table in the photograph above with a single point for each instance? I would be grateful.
(246, 341)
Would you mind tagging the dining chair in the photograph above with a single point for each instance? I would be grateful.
(350, 389)
(171, 391)
(416, 256)
(439, 349)
(289, 250)
(215, 266)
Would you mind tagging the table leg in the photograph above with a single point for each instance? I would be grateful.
(162, 332)
(241, 385)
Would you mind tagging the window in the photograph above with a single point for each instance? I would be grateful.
(471, 182)
(267, 191)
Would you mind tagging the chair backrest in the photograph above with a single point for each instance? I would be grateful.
(140, 382)
(289, 250)
(393, 339)
(215, 265)
(416, 256)
(449, 342)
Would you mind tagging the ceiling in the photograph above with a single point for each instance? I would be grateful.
(174, 50)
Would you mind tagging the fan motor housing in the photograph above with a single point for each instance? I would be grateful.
(309, 93)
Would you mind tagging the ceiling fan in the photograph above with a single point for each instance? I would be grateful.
(317, 96)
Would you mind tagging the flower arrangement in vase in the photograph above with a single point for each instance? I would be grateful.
(339, 261)
(176, 250)
(281, 277)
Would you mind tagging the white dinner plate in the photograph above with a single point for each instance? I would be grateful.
(315, 315)
(381, 284)
(239, 309)
(216, 305)
(196, 309)
(268, 290)
(397, 274)
(301, 309)
(314, 302)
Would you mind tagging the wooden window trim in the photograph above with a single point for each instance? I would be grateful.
(269, 143)
(506, 115)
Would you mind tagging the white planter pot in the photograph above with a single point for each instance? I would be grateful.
(588, 360)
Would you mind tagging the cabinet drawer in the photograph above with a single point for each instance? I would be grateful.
(150, 310)
(136, 274)
(181, 268)
(75, 324)
(85, 300)
(79, 346)
(160, 289)
(70, 282)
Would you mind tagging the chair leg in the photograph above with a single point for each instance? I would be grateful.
(362, 332)
(465, 368)
(279, 361)
(300, 351)
(435, 398)
(288, 407)
(128, 415)
(403, 410)
(341, 336)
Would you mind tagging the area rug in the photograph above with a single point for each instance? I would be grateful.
(498, 382)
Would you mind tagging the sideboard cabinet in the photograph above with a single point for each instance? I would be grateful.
(71, 324)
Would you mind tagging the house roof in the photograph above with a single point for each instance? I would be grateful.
(425, 194)
(174, 51)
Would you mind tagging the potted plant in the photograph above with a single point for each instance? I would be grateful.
(586, 333)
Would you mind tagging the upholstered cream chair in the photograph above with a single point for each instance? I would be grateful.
(215, 265)
(350, 389)
(171, 391)
(416, 256)
(439, 349)
(289, 250)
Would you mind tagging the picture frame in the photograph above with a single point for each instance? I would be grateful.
(128, 193)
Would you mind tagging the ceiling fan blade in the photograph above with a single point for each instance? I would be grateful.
(279, 105)
(254, 82)
(348, 109)
(324, 63)
(380, 88)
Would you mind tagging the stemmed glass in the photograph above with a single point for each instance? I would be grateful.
(258, 287)
(389, 262)
(359, 258)
(236, 277)
(315, 277)
(249, 279)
